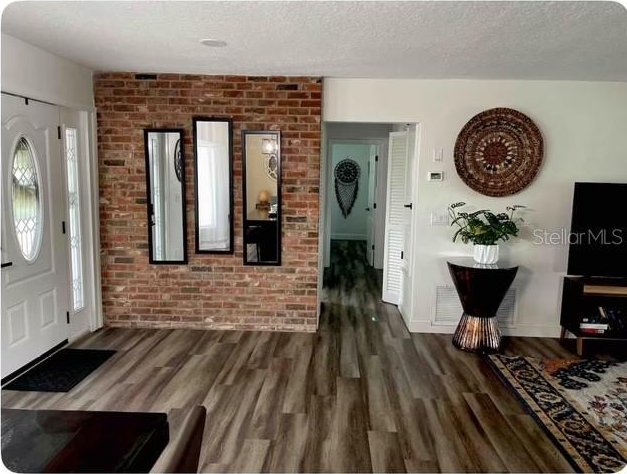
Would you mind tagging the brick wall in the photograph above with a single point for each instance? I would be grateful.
(211, 291)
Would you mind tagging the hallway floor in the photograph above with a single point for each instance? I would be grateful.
(360, 395)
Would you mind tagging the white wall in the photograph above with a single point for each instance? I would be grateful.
(32, 72)
(358, 131)
(583, 124)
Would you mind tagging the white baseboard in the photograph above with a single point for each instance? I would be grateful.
(532, 330)
(519, 330)
(348, 237)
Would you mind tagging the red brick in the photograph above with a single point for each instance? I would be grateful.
(212, 291)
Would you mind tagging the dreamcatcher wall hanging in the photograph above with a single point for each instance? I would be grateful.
(178, 161)
(346, 184)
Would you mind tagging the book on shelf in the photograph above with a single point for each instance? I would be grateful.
(597, 317)
(591, 331)
(594, 326)
(604, 319)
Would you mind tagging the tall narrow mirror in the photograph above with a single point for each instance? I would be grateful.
(213, 183)
(165, 185)
(262, 197)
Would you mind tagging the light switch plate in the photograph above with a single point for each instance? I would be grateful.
(439, 218)
(438, 155)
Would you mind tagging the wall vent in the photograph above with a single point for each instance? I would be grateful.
(448, 309)
(145, 77)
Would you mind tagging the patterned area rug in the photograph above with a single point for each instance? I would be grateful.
(582, 404)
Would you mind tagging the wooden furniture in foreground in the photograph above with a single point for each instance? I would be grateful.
(82, 441)
(183, 452)
(481, 289)
(582, 297)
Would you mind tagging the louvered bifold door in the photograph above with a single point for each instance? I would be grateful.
(395, 217)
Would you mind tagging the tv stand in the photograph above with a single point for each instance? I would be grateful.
(583, 296)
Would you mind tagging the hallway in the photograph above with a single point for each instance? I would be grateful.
(349, 278)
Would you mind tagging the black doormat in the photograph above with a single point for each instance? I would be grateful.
(60, 372)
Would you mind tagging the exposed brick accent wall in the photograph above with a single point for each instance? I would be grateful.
(211, 291)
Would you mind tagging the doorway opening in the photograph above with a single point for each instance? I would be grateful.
(367, 213)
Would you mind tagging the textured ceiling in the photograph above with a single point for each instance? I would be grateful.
(518, 40)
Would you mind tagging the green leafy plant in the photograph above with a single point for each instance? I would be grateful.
(484, 227)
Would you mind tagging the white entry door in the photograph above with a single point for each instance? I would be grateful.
(35, 284)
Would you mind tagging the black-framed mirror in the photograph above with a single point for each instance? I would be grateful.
(165, 189)
(213, 180)
(261, 170)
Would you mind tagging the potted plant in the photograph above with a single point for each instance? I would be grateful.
(484, 229)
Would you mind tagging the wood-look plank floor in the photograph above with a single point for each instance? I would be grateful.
(360, 395)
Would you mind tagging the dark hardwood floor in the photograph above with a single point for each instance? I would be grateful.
(360, 395)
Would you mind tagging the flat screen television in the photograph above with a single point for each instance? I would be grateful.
(598, 233)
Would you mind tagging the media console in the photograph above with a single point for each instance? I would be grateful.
(594, 308)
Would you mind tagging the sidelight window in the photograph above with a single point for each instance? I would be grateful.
(76, 254)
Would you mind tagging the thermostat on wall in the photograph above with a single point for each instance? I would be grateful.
(435, 176)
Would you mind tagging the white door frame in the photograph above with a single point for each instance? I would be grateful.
(371, 222)
(327, 178)
(91, 215)
(92, 310)
(324, 246)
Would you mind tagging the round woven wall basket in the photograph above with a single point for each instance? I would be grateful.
(499, 152)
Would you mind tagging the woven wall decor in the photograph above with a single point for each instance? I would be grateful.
(346, 184)
(499, 152)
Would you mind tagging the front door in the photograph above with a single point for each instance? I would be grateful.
(35, 280)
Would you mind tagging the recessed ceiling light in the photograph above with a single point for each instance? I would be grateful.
(214, 43)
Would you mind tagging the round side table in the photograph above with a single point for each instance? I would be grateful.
(481, 289)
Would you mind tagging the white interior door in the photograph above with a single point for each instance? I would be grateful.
(372, 188)
(404, 305)
(396, 217)
(35, 284)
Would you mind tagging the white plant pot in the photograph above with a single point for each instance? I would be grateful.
(486, 254)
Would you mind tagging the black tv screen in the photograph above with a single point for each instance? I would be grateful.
(598, 234)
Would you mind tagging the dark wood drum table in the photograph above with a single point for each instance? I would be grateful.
(481, 289)
(82, 441)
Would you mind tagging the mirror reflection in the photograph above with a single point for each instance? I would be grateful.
(213, 171)
(165, 184)
(262, 197)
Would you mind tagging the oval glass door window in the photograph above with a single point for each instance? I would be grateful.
(26, 200)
